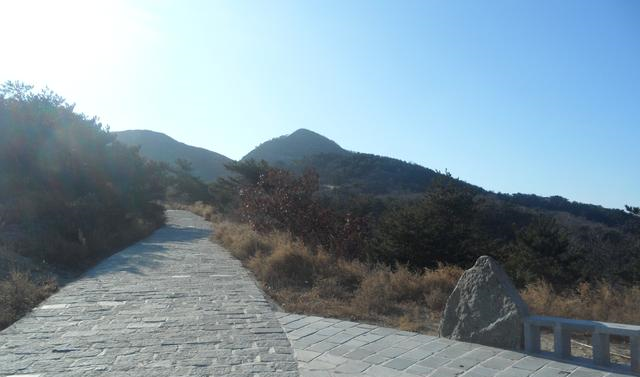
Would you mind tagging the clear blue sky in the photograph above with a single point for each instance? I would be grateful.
(516, 96)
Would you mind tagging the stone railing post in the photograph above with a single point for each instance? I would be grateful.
(561, 341)
(531, 337)
(600, 343)
(635, 353)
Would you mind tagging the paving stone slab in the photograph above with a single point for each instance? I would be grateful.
(174, 304)
(378, 352)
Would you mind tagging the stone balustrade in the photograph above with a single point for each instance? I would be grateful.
(600, 333)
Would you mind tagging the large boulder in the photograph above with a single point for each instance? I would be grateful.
(485, 308)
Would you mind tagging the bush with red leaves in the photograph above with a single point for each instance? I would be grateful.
(280, 200)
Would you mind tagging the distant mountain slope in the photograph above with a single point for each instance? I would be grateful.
(590, 212)
(157, 146)
(342, 171)
(298, 145)
(367, 173)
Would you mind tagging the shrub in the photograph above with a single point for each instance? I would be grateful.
(348, 275)
(540, 251)
(290, 264)
(18, 294)
(275, 199)
(375, 295)
(440, 227)
(439, 283)
(67, 184)
(385, 289)
(240, 239)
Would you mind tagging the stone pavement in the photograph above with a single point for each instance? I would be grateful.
(174, 304)
(327, 347)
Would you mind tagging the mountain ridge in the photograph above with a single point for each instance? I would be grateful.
(327, 156)
(207, 165)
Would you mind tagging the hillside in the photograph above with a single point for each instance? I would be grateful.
(348, 172)
(367, 173)
(342, 170)
(157, 146)
(298, 145)
(352, 172)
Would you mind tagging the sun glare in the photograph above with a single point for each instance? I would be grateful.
(76, 39)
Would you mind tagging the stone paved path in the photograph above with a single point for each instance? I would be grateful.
(172, 305)
(176, 304)
(328, 347)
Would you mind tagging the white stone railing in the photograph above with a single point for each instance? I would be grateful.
(600, 333)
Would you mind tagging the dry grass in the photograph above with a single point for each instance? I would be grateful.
(313, 282)
(600, 301)
(199, 208)
(19, 293)
(240, 239)
(309, 281)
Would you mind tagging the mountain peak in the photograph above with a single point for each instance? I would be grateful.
(295, 146)
(304, 132)
(157, 146)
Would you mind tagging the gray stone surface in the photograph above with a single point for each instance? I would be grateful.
(485, 308)
(376, 351)
(174, 304)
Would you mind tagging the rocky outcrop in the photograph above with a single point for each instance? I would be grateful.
(485, 308)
